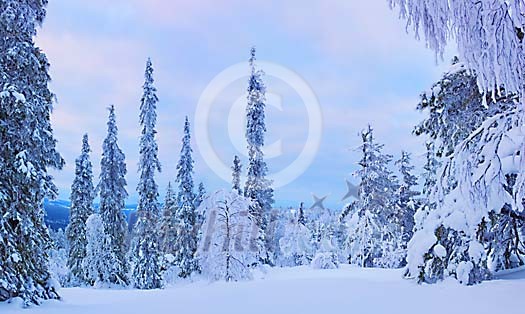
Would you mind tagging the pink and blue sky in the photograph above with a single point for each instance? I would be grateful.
(356, 56)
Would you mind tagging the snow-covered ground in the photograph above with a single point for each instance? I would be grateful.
(298, 290)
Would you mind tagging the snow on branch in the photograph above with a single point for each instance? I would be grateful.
(488, 34)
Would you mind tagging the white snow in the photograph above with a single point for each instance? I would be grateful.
(418, 246)
(297, 290)
(476, 251)
(463, 271)
(440, 251)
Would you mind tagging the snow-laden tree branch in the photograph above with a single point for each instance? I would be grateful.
(488, 34)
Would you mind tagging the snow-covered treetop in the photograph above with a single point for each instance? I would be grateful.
(85, 145)
(21, 17)
(149, 162)
(409, 180)
(83, 182)
(376, 185)
(148, 102)
(236, 174)
(185, 168)
(488, 34)
(255, 128)
(113, 168)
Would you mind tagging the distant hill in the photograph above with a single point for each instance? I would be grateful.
(57, 213)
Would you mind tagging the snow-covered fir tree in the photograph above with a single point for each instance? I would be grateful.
(169, 222)
(301, 218)
(430, 169)
(296, 244)
(94, 263)
(258, 187)
(489, 36)
(82, 196)
(321, 222)
(187, 233)
(429, 176)
(199, 215)
(28, 149)
(374, 234)
(455, 107)
(224, 251)
(145, 253)
(466, 227)
(236, 175)
(201, 195)
(112, 189)
(406, 197)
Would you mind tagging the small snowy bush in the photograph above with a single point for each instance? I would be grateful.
(94, 260)
(58, 258)
(325, 260)
(326, 257)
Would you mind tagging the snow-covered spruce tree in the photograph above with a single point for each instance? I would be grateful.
(455, 107)
(321, 224)
(465, 235)
(456, 111)
(94, 263)
(112, 189)
(187, 233)
(429, 176)
(374, 232)
(82, 196)
(169, 222)
(301, 218)
(224, 252)
(28, 149)
(145, 253)
(296, 243)
(406, 197)
(258, 187)
(489, 36)
(236, 175)
(430, 169)
(201, 195)
(199, 198)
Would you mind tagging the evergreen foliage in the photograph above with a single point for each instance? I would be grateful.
(112, 189)
(28, 150)
(146, 257)
(187, 233)
(82, 196)
(258, 187)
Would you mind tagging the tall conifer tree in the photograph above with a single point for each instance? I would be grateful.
(258, 187)
(236, 175)
(187, 232)
(82, 196)
(145, 247)
(169, 222)
(28, 149)
(112, 188)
